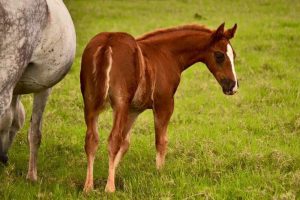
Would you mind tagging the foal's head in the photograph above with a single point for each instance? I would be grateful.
(219, 59)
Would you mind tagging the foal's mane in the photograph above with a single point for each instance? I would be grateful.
(190, 27)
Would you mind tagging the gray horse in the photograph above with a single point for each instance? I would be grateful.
(37, 49)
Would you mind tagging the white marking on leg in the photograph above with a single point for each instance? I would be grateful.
(110, 186)
(159, 161)
(229, 53)
(89, 184)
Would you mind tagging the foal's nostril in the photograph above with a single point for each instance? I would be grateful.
(231, 85)
(227, 84)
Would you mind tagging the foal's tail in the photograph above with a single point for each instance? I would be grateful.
(95, 76)
(102, 61)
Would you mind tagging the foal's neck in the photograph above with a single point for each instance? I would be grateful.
(185, 45)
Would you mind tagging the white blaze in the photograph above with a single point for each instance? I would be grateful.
(229, 53)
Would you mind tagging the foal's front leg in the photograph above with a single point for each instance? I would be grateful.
(162, 114)
(35, 134)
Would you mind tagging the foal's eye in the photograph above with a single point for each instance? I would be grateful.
(219, 56)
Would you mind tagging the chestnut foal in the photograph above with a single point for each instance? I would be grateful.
(137, 74)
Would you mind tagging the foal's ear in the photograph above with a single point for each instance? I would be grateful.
(219, 33)
(230, 32)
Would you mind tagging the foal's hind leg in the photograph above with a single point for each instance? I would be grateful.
(119, 140)
(162, 114)
(91, 146)
(35, 134)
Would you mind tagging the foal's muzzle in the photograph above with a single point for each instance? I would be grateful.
(3, 158)
(229, 86)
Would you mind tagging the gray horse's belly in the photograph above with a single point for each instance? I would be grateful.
(54, 55)
(38, 77)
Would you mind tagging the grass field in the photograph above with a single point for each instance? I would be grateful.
(245, 146)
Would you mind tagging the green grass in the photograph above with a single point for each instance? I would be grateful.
(242, 147)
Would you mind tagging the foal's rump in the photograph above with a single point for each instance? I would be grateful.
(109, 64)
(94, 76)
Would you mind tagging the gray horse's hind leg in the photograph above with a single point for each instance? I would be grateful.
(35, 134)
(10, 123)
(18, 118)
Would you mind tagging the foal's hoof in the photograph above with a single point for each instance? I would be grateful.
(110, 188)
(88, 187)
(160, 162)
(31, 176)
